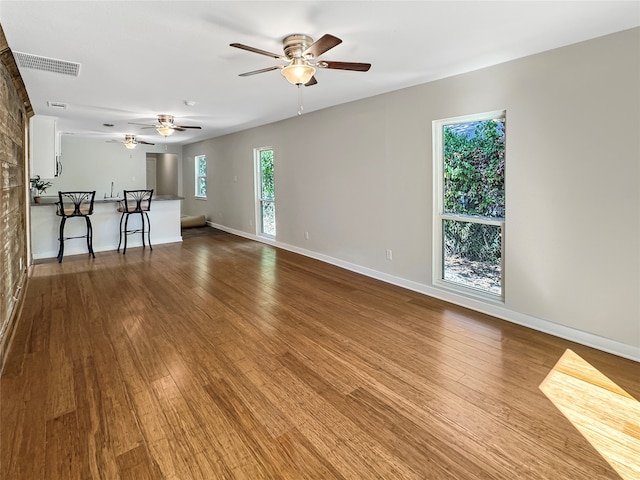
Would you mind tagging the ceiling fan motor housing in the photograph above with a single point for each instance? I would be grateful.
(294, 45)
(165, 120)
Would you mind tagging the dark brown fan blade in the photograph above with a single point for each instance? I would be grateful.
(143, 124)
(324, 43)
(182, 127)
(358, 67)
(311, 82)
(144, 143)
(262, 70)
(257, 50)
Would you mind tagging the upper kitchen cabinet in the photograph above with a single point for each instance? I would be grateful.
(45, 147)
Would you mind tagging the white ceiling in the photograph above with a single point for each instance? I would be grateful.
(144, 58)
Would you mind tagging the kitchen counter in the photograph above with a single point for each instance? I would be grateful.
(164, 216)
(51, 200)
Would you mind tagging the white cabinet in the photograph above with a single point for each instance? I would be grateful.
(45, 147)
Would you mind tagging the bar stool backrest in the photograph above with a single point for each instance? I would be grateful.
(136, 201)
(75, 204)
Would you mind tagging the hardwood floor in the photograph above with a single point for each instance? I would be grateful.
(223, 358)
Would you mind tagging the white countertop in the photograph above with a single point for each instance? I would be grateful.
(52, 199)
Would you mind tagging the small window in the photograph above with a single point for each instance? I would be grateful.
(469, 156)
(201, 176)
(266, 193)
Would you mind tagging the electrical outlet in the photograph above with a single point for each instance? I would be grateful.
(306, 235)
(251, 223)
(389, 254)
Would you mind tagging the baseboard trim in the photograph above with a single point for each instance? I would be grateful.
(499, 311)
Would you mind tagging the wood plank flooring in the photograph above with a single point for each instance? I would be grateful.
(223, 358)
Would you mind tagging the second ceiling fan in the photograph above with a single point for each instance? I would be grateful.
(166, 125)
(130, 141)
(301, 53)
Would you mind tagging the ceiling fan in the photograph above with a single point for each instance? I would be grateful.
(301, 53)
(166, 125)
(130, 141)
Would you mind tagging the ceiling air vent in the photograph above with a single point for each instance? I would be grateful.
(26, 60)
(59, 105)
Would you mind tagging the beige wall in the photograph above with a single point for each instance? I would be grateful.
(358, 178)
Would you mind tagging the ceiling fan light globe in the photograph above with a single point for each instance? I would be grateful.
(130, 141)
(164, 131)
(297, 74)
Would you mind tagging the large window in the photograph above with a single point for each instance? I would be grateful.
(469, 153)
(265, 187)
(201, 176)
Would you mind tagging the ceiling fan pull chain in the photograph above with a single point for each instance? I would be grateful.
(300, 106)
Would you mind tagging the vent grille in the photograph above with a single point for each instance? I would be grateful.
(26, 60)
(60, 105)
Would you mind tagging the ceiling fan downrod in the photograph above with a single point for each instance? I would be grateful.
(300, 106)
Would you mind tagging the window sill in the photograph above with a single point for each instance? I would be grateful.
(468, 292)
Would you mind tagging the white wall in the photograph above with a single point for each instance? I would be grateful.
(358, 178)
(90, 164)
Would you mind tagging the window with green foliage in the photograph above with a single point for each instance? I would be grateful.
(266, 197)
(201, 176)
(470, 202)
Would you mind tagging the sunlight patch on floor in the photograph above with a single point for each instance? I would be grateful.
(606, 415)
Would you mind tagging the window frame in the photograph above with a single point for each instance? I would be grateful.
(197, 194)
(439, 215)
(258, 193)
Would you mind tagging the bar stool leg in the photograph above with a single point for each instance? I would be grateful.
(142, 227)
(148, 230)
(61, 239)
(126, 227)
(90, 236)
(120, 241)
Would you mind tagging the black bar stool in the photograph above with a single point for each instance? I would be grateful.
(75, 204)
(135, 202)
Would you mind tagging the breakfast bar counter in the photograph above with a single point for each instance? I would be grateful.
(164, 216)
